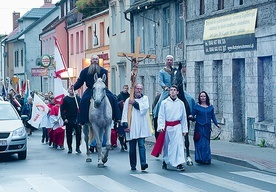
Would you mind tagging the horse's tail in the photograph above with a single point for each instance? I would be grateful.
(91, 135)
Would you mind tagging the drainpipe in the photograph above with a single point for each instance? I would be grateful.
(132, 39)
(184, 31)
(41, 84)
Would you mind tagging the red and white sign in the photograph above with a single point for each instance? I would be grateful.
(37, 72)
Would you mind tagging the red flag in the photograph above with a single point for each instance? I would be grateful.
(59, 60)
(59, 68)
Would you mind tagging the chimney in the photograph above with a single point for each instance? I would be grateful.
(15, 16)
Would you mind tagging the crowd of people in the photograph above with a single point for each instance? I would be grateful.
(68, 117)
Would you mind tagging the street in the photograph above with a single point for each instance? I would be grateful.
(53, 170)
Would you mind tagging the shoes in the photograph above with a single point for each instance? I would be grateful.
(125, 146)
(42, 140)
(78, 150)
(133, 168)
(180, 168)
(69, 151)
(144, 167)
(61, 147)
(55, 146)
(164, 166)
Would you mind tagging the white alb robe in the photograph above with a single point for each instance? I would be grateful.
(140, 127)
(173, 150)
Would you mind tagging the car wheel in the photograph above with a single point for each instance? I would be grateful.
(22, 155)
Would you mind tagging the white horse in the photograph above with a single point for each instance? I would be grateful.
(100, 118)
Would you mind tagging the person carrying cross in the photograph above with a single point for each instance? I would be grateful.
(87, 76)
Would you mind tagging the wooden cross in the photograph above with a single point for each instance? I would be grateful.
(134, 58)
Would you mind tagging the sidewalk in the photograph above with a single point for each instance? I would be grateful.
(240, 154)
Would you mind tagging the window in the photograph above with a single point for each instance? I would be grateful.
(241, 2)
(122, 16)
(113, 18)
(95, 37)
(166, 27)
(102, 33)
(140, 32)
(89, 37)
(22, 58)
(77, 42)
(16, 63)
(202, 7)
(81, 41)
(72, 44)
(150, 30)
(220, 4)
(179, 22)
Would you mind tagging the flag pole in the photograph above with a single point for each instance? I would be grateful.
(66, 69)
(19, 86)
(3, 83)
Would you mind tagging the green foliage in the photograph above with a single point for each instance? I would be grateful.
(262, 144)
(91, 7)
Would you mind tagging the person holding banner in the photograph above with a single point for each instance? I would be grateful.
(69, 113)
(172, 121)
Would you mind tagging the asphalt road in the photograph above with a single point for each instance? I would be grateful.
(50, 170)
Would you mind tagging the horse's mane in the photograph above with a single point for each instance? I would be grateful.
(177, 79)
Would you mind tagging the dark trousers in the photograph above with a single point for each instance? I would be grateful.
(69, 131)
(132, 152)
(45, 134)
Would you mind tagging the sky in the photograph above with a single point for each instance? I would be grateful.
(9, 6)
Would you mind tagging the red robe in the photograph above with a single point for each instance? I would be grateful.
(57, 132)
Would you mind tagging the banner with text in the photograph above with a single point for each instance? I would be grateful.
(230, 33)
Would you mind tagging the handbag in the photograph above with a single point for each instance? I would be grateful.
(196, 136)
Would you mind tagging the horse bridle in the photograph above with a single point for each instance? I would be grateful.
(102, 97)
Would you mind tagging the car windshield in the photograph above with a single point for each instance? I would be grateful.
(7, 112)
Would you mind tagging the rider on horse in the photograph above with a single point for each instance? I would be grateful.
(164, 79)
(87, 76)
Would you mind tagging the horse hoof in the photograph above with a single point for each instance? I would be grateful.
(105, 160)
(189, 161)
(88, 160)
(100, 165)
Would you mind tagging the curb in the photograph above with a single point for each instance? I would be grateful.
(234, 161)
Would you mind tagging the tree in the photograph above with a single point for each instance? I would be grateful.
(91, 7)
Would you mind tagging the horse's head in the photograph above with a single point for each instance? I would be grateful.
(99, 91)
(176, 76)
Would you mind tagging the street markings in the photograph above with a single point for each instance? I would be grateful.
(166, 183)
(45, 184)
(105, 183)
(257, 176)
(225, 183)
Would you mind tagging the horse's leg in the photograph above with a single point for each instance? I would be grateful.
(156, 133)
(85, 129)
(98, 136)
(108, 143)
(187, 145)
